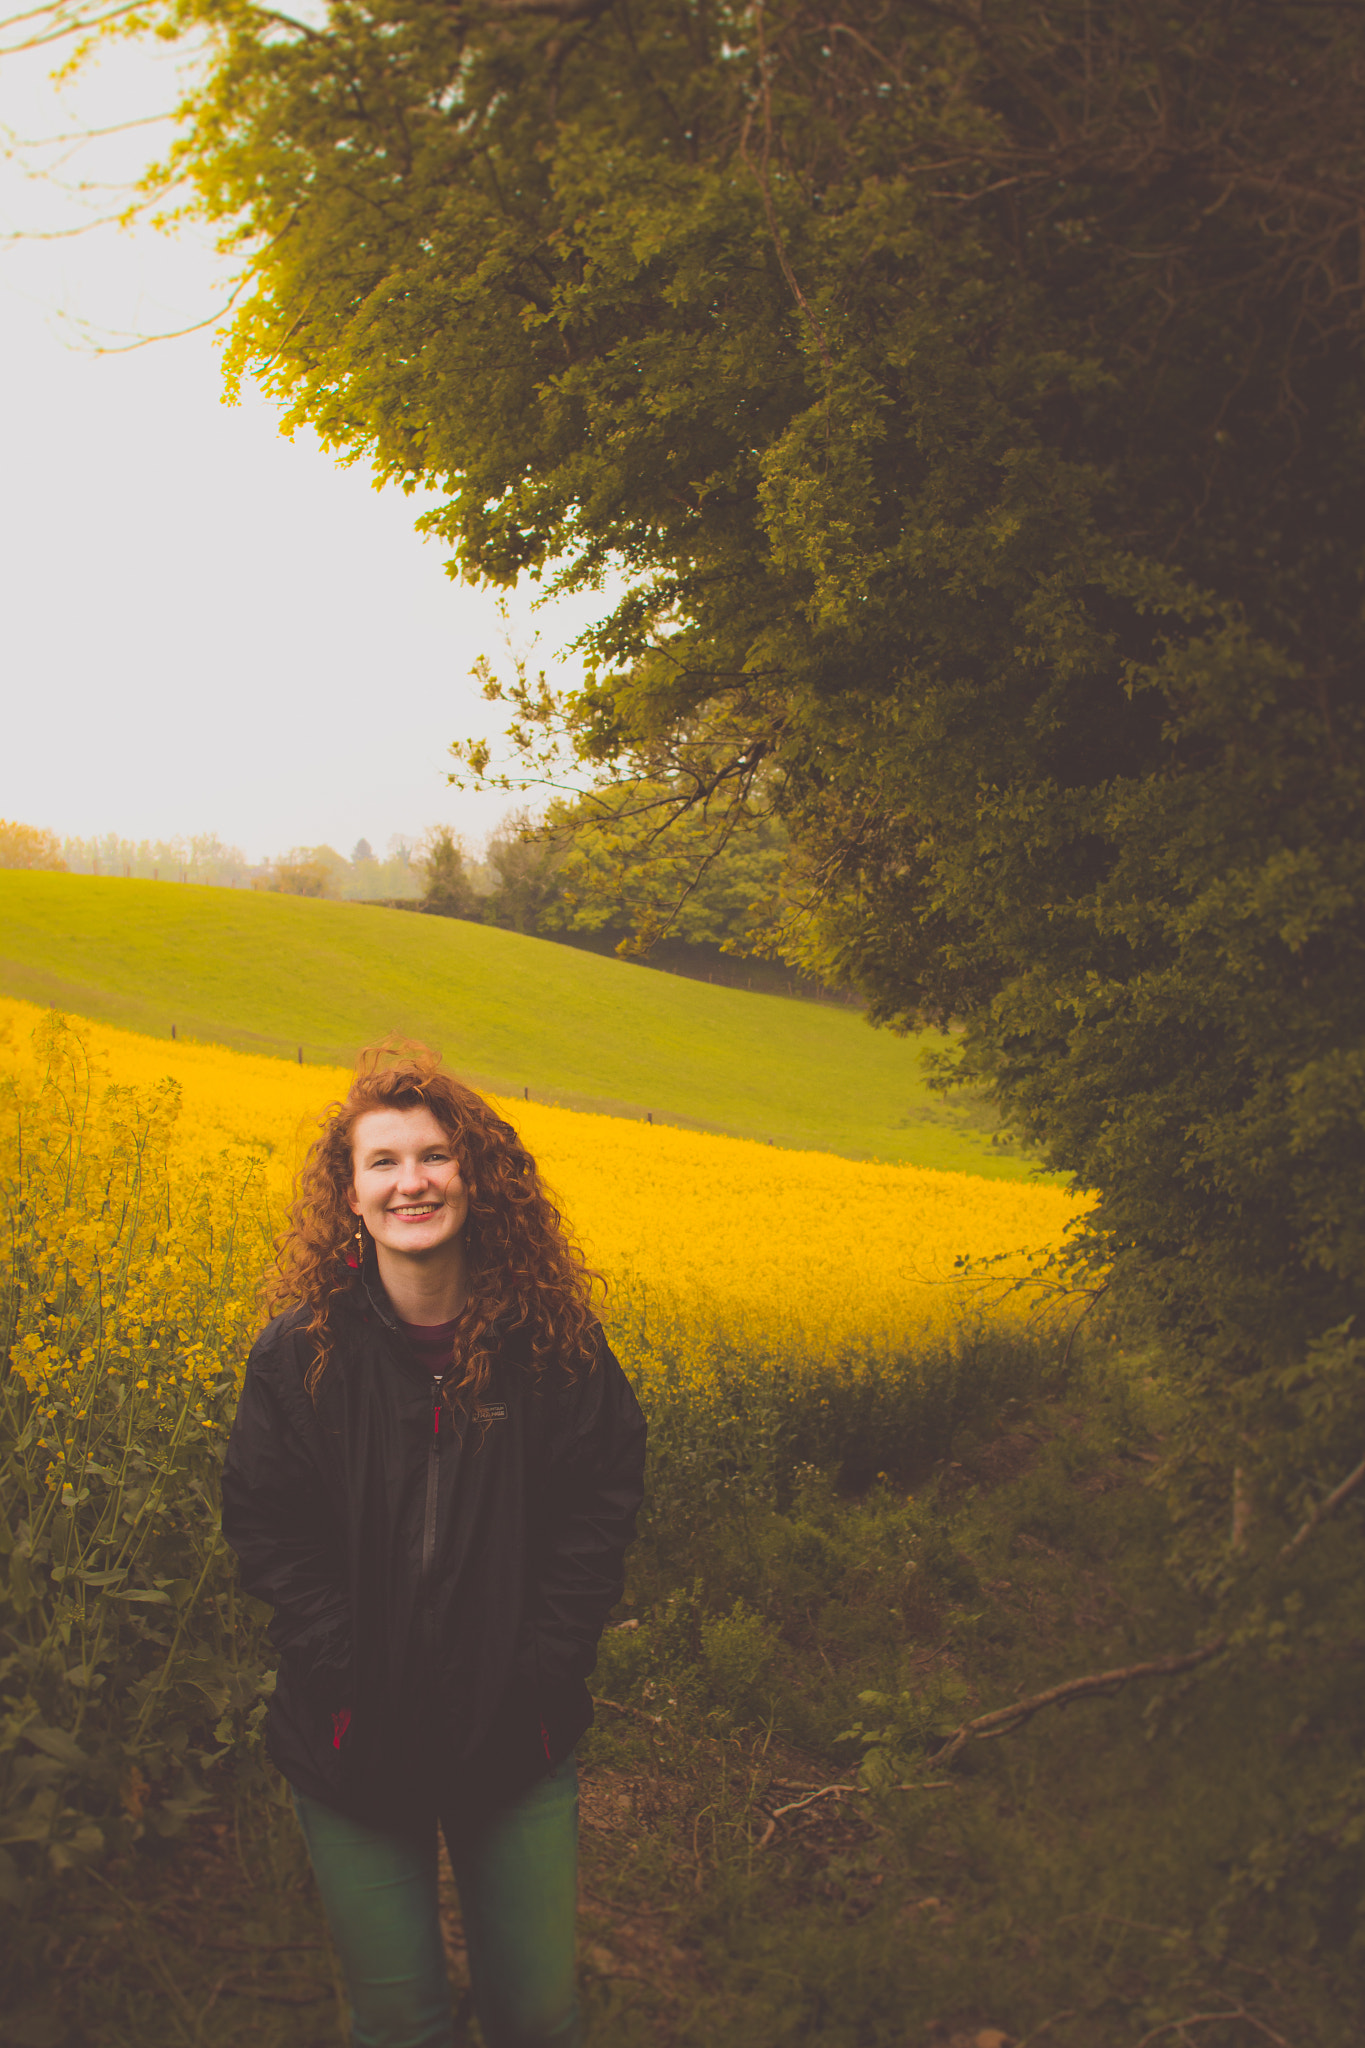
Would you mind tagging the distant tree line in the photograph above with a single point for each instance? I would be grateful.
(203, 859)
(595, 872)
(364, 878)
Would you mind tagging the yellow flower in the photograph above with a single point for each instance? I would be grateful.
(713, 1247)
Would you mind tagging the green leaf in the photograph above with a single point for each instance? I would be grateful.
(55, 1742)
(29, 1826)
(13, 1890)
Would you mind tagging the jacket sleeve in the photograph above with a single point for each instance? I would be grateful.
(595, 1484)
(277, 1517)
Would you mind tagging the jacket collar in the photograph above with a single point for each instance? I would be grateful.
(373, 1287)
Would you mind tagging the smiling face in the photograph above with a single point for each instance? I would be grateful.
(407, 1185)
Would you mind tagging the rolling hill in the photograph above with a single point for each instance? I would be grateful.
(291, 976)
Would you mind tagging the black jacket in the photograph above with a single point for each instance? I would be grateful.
(439, 1582)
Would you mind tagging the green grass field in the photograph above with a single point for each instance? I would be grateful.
(270, 974)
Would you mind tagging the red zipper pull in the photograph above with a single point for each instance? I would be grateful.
(436, 1420)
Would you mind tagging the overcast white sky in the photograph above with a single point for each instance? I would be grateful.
(203, 626)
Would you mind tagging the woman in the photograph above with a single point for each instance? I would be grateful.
(432, 1478)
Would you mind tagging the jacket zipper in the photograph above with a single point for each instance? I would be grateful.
(432, 1483)
(428, 1539)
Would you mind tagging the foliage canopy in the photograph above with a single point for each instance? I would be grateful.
(972, 399)
(28, 846)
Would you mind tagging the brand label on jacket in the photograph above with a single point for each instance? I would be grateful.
(491, 1411)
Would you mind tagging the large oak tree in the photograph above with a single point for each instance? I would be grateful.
(971, 395)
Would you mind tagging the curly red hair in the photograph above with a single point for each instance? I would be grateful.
(527, 1278)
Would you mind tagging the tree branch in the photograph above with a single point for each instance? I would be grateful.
(760, 173)
(655, 1720)
(1209, 2019)
(838, 1791)
(1333, 1500)
(61, 28)
(87, 134)
(553, 10)
(1005, 1720)
(828, 1791)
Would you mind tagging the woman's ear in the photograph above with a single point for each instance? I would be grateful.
(353, 1198)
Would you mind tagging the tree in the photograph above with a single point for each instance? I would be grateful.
(369, 880)
(972, 399)
(974, 402)
(523, 864)
(446, 889)
(28, 846)
(307, 871)
(620, 866)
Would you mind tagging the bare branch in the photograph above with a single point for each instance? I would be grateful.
(61, 29)
(760, 173)
(103, 220)
(828, 1791)
(173, 334)
(125, 348)
(288, 21)
(655, 1720)
(1325, 1508)
(840, 1791)
(1209, 2019)
(86, 134)
(1005, 1720)
(29, 14)
(552, 10)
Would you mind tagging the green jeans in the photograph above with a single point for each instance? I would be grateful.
(517, 1880)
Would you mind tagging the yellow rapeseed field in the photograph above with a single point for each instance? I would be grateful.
(779, 1313)
(831, 1254)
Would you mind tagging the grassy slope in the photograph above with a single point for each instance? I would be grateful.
(267, 974)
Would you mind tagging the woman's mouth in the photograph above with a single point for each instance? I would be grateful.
(414, 1212)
